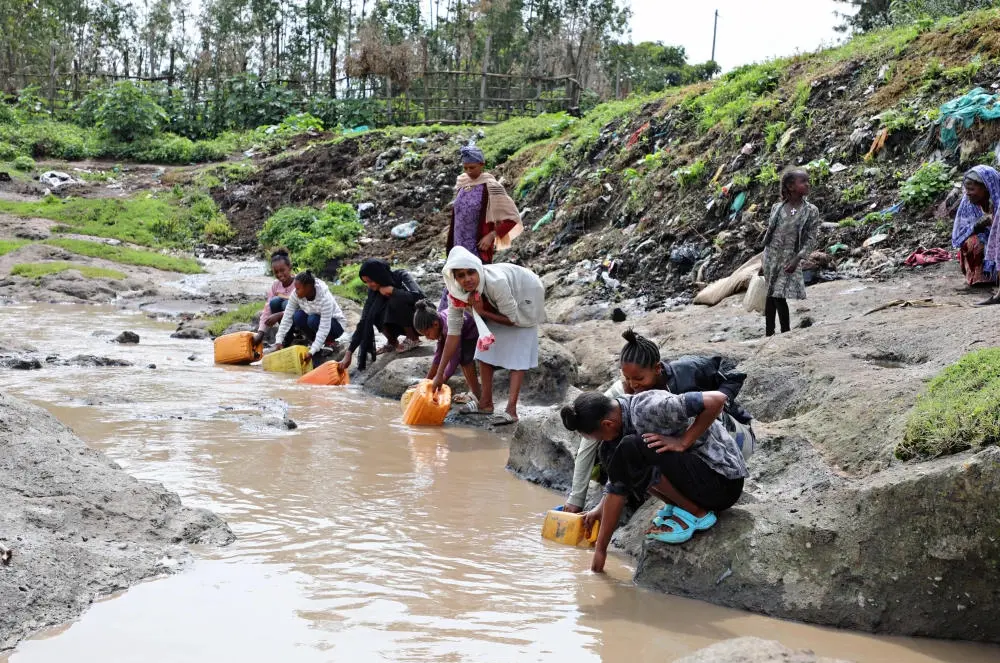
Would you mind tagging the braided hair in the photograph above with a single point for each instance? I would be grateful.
(789, 177)
(639, 350)
(306, 278)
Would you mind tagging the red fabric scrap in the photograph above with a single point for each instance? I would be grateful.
(924, 256)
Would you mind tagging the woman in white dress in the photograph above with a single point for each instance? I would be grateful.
(508, 304)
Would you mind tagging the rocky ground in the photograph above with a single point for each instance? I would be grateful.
(75, 527)
(753, 650)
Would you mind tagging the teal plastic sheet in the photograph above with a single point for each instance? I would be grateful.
(964, 111)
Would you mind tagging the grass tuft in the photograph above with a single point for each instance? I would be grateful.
(244, 313)
(960, 409)
(36, 270)
(127, 256)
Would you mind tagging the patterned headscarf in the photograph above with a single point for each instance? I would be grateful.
(472, 154)
(968, 213)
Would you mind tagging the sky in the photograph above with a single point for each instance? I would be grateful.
(749, 30)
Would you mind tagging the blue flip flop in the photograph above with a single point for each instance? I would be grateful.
(675, 535)
(660, 519)
(703, 523)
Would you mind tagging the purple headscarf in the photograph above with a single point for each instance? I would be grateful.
(472, 154)
(969, 214)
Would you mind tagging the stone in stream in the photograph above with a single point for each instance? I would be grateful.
(94, 361)
(190, 333)
(21, 363)
(127, 337)
(753, 650)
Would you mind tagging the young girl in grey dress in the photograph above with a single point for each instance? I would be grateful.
(790, 237)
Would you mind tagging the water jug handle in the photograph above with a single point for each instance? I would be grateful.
(594, 531)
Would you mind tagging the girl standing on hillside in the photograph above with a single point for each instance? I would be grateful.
(389, 308)
(483, 218)
(668, 445)
(790, 237)
(971, 232)
(507, 303)
(277, 296)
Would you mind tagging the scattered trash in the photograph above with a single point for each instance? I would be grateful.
(877, 144)
(924, 256)
(738, 203)
(685, 256)
(837, 168)
(618, 315)
(546, 218)
(747, 149)
(636, 135)
(366, 210)
(905, 303)
(356, 130)
(725, 574)
(837, 248)
(614, 284)
(718, 174)
(965, 110)
(55, 179)
(892, 210)
(875, 239)
(404, 230)
(785, 139)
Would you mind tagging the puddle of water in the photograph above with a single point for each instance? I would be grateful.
(359, 539)
(888, 363)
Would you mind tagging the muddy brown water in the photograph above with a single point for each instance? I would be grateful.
(359, 539)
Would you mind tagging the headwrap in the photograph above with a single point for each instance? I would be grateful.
(461, 258)
(968, 215)
(472, 154)
(378, 271)
(500, 207)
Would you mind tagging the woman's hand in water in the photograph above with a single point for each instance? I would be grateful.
(486, 243)
(571, 508)
(662, 443)
(597, 564)
(386, 290)
(345, 363)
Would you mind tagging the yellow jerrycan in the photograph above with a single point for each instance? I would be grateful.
(567, 528)
(237, 348)
(290, 360)
(427, 408)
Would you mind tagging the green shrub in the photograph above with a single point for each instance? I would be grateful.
(768, 174)
(819, 170)
(960, 409)
(503, 140)
(126, 256)
(218, 231)
(773, 133)
(245, 313)
(8, 151)
(734, 96)
(926, 185)
(7, 115)
(26, 164)
(349, 285)
(689, 176)
(313, 236)
(553, 166)
(855, 193)
(127, 112)
(36, 270)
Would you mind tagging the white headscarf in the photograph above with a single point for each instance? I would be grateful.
(461, 258)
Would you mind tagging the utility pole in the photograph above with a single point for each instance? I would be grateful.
(715, 32)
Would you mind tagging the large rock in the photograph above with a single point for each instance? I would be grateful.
(549, 382)
(911, 550)
(753, 650)
(77, 526)
(190, 333)
(543, 451)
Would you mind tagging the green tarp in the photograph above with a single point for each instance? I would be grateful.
(965, 110)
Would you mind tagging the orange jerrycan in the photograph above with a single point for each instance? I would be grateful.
(237, 348)
(404, 402)
(328, 374)
(427, 408)
(290, 360)
(567, 528)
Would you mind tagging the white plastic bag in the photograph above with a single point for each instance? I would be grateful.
(756, 298)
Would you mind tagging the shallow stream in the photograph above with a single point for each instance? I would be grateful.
(358, 538)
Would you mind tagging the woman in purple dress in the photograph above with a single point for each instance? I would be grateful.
(484, 218)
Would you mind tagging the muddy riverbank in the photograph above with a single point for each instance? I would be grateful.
(357, 537)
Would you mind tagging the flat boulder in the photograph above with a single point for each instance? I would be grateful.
(126, 337)
(190, 333)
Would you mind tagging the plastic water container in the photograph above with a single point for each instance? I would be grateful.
(427, 408)
(567, 528)
(290, 360)
(328, 374)
(237, 348)
(407, 397)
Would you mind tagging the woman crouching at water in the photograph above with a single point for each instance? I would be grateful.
(507, 303)
(277, 295)
(432, 323)
(649, 443)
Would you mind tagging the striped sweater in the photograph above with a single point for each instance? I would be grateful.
(323, 304)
